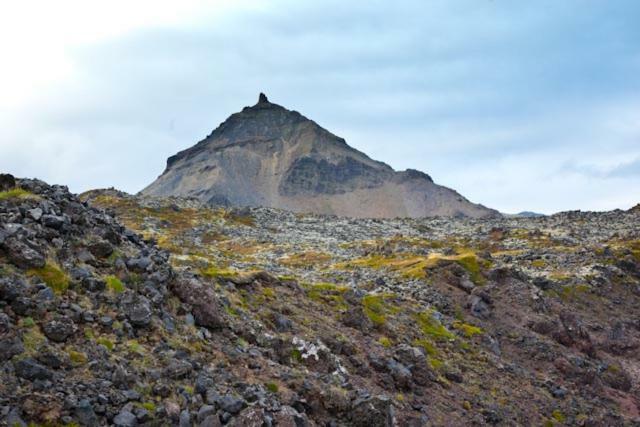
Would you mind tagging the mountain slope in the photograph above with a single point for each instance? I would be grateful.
(257, 317)
(269, 156)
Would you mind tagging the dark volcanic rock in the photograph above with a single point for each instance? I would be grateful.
(23, 255)
(202, 298)
(373, 412)
(29, 369)
(7, 182)
(137, 310)
(59, 329)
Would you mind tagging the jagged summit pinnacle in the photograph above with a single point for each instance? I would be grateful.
(267, 155)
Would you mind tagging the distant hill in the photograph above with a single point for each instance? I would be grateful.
(269, 156)
(525, 214)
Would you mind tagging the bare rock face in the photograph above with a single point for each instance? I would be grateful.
(269, 156)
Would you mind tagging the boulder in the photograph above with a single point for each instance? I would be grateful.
(137, 310)
(125, 419)
(375, 411)
(23, 255)
(31, 370)
(59, 329)
(202, 298)
(7, 182)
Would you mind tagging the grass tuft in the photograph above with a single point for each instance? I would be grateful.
(114, 284)
(53, 276)
(16, 193)
(466, 329)
(432, 328)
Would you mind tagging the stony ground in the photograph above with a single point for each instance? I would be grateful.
(199, 316)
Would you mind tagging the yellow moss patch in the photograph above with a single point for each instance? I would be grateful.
(32, 339)
(272, 387)
(376, 308)
(77, 358)
(106, 342)
(53, 276)
(466, 329)
(385, 342)
(572, 292)
(328, 293)
(436, 364)
(114, 284)
(432, 328)
(269, 293)
(414, 266)
(427, 345)
(538, 263)
(134, 347)
(215, 272)
(558, 416)
(16, 193)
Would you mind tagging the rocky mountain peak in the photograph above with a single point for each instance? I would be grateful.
(267, 155)
(262, 98)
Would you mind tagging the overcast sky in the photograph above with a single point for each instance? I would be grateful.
(518, 105)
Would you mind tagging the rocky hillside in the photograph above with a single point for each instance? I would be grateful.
(126, 310)
(269, 156)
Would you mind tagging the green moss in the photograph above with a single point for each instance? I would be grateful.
(32, 339)
(376, 308)
(538, 263)
(572, 292)
(427, 345)
(385, 342)
(328, 293)
(149, 406)
(269, 293)
(27, 322)
(53, 276)
(16, 193)
(134, 347)
(432, 328)
(114, 256)
(77, 358)
(215, 272)
(296, 355)
(231, 310)
(436, 364)
(106, 342)
(114, 284)
(466, 329)
(470, 263)
(272, 387)
(558, 416)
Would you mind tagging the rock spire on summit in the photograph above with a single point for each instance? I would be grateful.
(262, 98)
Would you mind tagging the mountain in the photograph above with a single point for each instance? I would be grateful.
(529, 214)
(269, 156)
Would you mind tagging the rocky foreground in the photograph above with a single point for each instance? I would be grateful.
(122, 310)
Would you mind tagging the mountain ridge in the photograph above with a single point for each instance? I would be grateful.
(267, 155)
